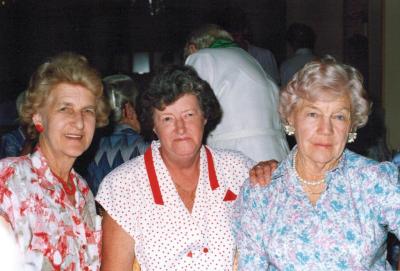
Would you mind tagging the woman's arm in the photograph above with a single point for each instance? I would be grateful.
(118, 247)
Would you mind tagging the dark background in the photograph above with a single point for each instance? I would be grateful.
(109, 32)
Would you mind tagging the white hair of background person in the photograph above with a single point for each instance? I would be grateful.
(120, 89)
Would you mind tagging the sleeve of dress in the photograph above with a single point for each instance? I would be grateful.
(115, 195)
(247, 229)
(7, 206)
(386, 193)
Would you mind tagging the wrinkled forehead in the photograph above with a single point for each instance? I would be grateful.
(326, 101)
(318, 92)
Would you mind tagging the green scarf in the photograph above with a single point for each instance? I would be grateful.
(223, 43)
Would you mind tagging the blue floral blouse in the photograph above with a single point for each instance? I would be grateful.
(277, 228)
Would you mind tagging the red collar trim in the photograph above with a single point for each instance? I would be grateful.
(155, 186)
(151, 173)
(212, 176)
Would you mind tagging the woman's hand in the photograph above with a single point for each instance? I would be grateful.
(262, 172)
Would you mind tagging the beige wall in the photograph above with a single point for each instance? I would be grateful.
(391, 71)
(325, 17)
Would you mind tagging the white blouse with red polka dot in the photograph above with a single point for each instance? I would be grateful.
(167, 236)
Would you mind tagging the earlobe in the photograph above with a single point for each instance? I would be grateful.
(37, 118)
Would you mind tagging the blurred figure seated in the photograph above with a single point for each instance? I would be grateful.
(16, 142)
(125, 141)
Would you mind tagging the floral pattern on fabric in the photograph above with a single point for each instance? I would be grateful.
(53, 233)
(277, 228)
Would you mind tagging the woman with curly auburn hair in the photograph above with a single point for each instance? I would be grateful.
(47, 204)
(327, 208)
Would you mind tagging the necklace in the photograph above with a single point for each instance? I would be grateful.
(69, 187)
(306, 182)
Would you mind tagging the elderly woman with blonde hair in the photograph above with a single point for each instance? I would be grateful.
(327, 208)
(47, 204)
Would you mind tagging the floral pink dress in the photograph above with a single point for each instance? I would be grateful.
(52, 233)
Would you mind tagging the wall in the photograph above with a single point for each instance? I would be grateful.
(391, 71)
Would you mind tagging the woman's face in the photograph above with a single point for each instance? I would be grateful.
(321, 129)
(180, 127)
(69, 120)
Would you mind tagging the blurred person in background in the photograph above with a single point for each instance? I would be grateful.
(16, 142)
(301, 39)
(49, 207)
(238, 26)
(125, 142)
(248, 97)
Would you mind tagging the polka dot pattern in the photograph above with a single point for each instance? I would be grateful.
(168, 237)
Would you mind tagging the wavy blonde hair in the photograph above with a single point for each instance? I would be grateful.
(322, 78)
(68, 68)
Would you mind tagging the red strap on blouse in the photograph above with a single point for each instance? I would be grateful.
(212, 176)
(151, 173)
(155, 186)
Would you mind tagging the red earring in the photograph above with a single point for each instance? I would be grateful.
(39, 128)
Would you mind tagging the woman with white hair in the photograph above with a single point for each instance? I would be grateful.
(327, 208)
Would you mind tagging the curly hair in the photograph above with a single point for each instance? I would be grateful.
(327, 77)
(68, 68)
(170, 84)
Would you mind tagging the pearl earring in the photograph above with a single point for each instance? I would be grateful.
(351, 137)
(289, 129)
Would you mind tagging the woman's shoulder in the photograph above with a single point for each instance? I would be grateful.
(358, 164)
(356, 161)
(231, 157)
(130, 168)
(14, 173)
(14, 165)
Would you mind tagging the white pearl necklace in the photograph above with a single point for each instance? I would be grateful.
(306, 182)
